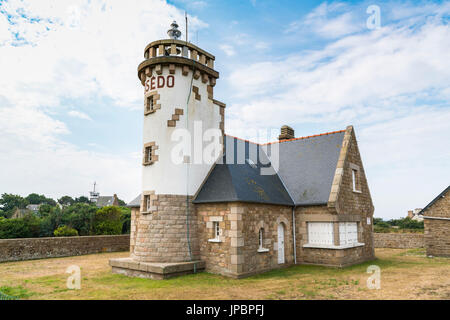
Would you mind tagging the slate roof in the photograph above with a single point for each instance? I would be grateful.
(306, 171)
(238, 179)
(135, 203)
(435, 199)
(104, 201)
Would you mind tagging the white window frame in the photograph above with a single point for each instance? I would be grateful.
(261, 241)
(148, 203)
(348, 233)
(216, 232)
(321, 233)
(356, 178)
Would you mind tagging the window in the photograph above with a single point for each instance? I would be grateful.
(148, 154)
(261, 241)
(320, 233)
(216, 230)
(147, 203)
(261, 238)
(348, 233)
(355, 178)
(149, 104)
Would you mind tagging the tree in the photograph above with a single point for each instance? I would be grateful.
(65, 231)
(10, 202)
(80, 217)
(50, 221)
(121, 202)
(107, 221)
(34, 198)
(125, 218)
(27, 227)
(82, 199)
(66, 201)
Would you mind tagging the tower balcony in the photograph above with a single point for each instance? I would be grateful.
(177, 52)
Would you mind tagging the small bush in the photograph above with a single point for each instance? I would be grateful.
(107, 221)
(65, 231)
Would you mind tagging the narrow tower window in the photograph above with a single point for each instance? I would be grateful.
(150, 104)
(148, 154)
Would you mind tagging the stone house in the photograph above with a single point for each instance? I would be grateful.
(437, 225)
(254, 208)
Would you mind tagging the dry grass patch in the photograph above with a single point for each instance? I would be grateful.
(405, 274)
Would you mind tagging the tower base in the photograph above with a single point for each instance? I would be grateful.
(154, 270)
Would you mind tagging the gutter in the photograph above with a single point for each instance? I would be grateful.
(436, 218)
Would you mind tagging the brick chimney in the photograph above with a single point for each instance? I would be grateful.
(286, 133)
(410, 214)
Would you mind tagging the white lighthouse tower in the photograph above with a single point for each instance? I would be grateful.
(183, 129)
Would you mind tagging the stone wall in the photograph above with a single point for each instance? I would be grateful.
(437, 237)
(399, 240)
(161, 235)
(437, 230)
(236, 253)
(42, 248)
(337, 257)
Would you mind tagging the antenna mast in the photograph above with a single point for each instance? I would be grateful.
(185, 15)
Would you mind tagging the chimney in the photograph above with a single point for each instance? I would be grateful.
(410, 214)
(286, 133)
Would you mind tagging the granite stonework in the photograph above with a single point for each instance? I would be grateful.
(161, 236)
(437, 226)
(399, 240)
(43, 248)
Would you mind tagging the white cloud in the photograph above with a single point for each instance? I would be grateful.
(327, 20)
(228, 49)
(79, 49)
(393, 84)
(79, 114)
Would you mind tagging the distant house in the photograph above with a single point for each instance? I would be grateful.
(21, 213)
(104, 201)
(416, 214)
(437, 225)
(34, 207)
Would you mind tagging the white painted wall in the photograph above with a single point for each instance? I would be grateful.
(164, 176)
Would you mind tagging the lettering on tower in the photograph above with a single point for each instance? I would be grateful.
(159, 82)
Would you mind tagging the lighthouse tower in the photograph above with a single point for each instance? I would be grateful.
(182, 131)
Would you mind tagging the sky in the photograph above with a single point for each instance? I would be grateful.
(71, 102)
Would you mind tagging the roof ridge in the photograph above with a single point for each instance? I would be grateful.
(294, 139)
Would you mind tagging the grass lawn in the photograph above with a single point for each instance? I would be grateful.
(405, 274)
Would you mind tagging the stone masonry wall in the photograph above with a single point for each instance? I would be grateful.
(437, 237)
(399, 240)
(437, 231)
(161, 236)
(236, 254)
(42, 248)
(325, 256)
(268, 217)
(216, 255)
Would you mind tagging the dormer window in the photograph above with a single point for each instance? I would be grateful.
(356, 181)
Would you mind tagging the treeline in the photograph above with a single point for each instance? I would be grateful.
(397, 225)
(66, 217)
